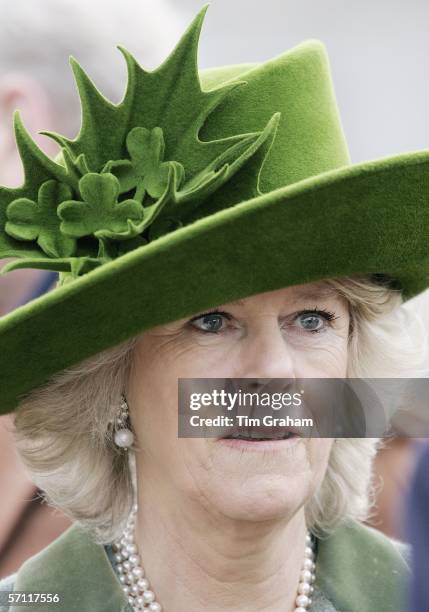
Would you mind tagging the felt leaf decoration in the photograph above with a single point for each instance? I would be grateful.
(219, 172)
(38, 169)
(73, 265)
(30, 220)
(70, 267)
(136, 171)
(99, 209)
(76, 167)
(169, 97)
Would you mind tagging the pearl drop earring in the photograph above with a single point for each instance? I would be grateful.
(124, 437)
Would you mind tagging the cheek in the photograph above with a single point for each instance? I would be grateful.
(326, 358)
(154, 381)
(319, 450)
(181, 354)
(159, 361)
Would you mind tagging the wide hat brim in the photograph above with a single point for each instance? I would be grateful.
(370, 218)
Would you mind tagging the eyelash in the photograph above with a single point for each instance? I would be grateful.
(325, 314)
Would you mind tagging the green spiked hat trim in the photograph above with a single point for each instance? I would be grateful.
(137, 170)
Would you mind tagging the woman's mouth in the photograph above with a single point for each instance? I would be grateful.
(257, 440)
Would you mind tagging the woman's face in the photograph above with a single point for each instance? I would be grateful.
(299, 331)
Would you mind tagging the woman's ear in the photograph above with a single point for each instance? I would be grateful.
(19, 91)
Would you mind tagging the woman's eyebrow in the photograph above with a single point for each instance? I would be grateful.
(314, 294)
(235, 303)
(306, 293)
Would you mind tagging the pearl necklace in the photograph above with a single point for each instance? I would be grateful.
(136, 586)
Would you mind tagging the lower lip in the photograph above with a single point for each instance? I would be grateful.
(259, 445)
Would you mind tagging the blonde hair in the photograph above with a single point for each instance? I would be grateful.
(64, 435)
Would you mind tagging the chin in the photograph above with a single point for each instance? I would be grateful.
(263, 501)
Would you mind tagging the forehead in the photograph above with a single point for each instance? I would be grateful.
(308, 292)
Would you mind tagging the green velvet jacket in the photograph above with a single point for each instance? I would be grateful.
(358, 570)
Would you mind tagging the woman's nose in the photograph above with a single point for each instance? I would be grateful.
(266, 354)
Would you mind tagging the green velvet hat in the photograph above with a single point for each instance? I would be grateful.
(197, 189)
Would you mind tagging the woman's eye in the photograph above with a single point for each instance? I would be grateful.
(312, 322)
(309, 321)
(210, 323)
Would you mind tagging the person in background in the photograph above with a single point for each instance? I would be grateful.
(396, 461)
(36, 40)
(417, 526)
(393, 468)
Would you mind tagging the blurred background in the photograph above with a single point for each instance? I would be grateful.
(379, 54)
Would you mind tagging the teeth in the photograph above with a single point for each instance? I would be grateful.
(257, 436)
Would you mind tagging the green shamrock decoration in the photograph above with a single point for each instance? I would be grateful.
(29, 220)
(99, 210)
(150, 212)
(146, 172)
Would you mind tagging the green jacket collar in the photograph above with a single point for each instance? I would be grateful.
(76, 568)
(361, 570)
(358, 569)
